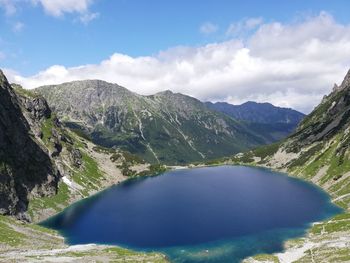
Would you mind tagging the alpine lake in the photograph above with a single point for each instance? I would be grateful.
(210, 214)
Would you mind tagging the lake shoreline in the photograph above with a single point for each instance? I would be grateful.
(175, 168)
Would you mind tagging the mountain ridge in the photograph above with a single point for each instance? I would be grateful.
(258, 112)
(271, 122)
(165, 127)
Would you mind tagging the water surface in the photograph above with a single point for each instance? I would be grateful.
(211, 214)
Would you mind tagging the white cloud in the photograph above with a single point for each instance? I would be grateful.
(244, 26)
(59, 7)
(17, 27)
(252, 23)
(56, 8)
(208, 28)
(290, 65)
(88, 17)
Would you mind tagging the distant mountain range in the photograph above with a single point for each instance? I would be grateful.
(271, 122)
(258, 112)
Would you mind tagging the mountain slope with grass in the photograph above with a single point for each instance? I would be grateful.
(271, 122)
(166, 127)
(44, 167)
(318, 152)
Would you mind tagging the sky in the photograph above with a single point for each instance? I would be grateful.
(289, 53)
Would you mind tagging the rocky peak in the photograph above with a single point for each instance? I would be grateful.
(346, 81)
(335, 87)
(37, 107)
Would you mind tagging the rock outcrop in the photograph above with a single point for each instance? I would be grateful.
(25, 166)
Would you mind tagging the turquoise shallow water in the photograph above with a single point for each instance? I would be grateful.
(212, 214)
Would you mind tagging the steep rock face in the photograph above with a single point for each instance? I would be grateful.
(25, 166)
(165, 127)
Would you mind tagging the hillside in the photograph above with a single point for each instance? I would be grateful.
(318, 152)
(166, 127)
(271, 122)
(44, 168)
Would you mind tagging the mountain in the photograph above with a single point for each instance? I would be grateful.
(271, 122)
(41, 160)
(258, 112)
(319, 152)
(319, 148)
(44, 168)
(166, 127)
(26, 167)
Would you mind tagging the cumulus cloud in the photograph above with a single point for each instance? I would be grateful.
(291, 65)
(208, 28)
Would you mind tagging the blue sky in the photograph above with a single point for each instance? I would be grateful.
(37, 34)
(134, 27)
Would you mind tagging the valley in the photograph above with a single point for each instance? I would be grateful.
(80, 144)
(174, 131)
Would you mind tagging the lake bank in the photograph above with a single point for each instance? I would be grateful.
(191, 185)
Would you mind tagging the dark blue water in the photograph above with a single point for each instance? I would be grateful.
(215, 214)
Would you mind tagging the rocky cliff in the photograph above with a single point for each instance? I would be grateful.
(26, 167)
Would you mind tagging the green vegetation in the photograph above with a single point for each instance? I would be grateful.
(267, 150)
(24, 92)
(215, 162)
(266, 258)
(305, 156)
(46, 129)
(101, 149)
(339, 223)
(8, 235)
(154, 169)
(56, 202)
(81, 134)
(245, 158)
(90, 176)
